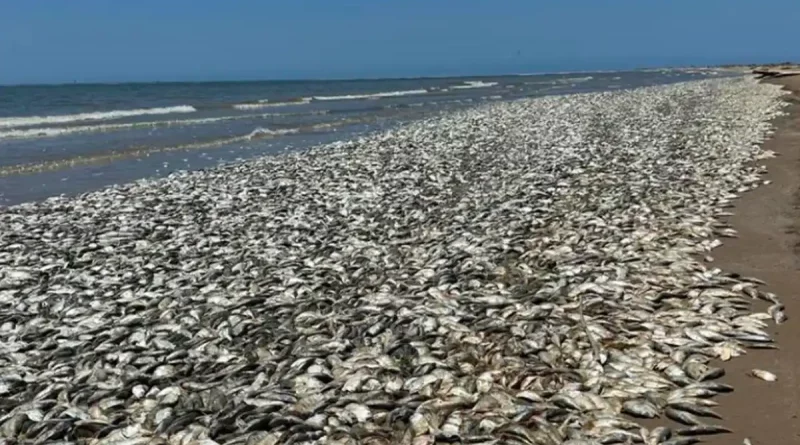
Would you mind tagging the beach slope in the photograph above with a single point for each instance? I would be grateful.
(768, 225)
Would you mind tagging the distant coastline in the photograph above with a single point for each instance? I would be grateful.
(762, 66)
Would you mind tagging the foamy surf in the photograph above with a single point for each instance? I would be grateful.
(372, 95)
(27, 121)
(474, 84)
(574, 80)
(267, 104)
(266, 132)
(137, 151)
(28, 133)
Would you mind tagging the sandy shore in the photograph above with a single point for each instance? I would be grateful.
(767, 221)
(515, 273)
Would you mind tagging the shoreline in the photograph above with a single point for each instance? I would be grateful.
(533, 258)
(767, 220)
(75, 150)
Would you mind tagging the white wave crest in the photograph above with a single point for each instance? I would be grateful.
(267, 104)
(27, 121)
(266, 132)
(474, 84)
(373, 95)
(573, 80)
(26, 133)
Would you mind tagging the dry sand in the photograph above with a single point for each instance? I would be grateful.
(768, 247)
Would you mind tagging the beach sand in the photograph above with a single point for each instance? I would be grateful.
(768, 247)
(765, 218)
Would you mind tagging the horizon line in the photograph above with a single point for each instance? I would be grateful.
(356, 79)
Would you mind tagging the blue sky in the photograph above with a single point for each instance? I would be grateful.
(45, 41)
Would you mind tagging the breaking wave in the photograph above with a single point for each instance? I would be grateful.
(372, 95)
(27, 121)
(133, 152)
(267, 104)
(26, 133)
(575, 79)
(265, 132)
(474, 84)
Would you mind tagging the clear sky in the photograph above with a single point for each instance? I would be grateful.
(45, 41)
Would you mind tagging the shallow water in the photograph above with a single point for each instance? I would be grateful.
(70, 139)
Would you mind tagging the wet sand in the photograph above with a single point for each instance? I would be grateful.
(768, 247)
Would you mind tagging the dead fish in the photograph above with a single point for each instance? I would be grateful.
(520, 272)
(695, 409)
(658, 435)
(763, 375)
(689, 440)
(776, 311)
(702, 430)
(682, 416)
(640, 408)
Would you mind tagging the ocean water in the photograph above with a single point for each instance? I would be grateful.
(71, 139)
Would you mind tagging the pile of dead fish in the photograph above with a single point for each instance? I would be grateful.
(518, 273)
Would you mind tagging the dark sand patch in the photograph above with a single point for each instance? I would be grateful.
(768, 247)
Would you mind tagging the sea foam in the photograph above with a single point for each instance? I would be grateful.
(372, 95)
(27, 121)
(474, 84)
(38, 132)
(267, 104)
